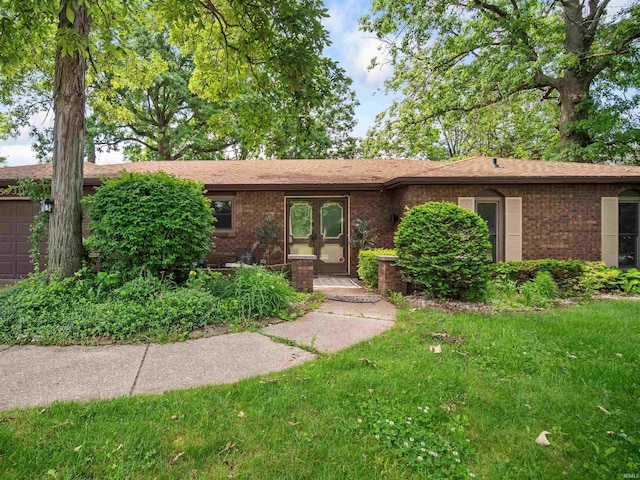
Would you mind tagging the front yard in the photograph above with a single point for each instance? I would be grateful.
(388, 408)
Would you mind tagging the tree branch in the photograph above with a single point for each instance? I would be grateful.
(125, 139)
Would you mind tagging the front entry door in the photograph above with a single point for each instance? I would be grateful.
(317, 226)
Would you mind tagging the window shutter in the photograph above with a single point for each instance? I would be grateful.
(609, 230)
(513, 228)
(468, 203)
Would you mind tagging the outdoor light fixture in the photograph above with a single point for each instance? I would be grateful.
(46, 206)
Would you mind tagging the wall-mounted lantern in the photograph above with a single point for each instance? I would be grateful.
(46, 206)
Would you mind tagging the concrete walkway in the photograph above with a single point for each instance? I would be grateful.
(32, 375)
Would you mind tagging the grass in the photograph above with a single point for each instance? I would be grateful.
(572, 372)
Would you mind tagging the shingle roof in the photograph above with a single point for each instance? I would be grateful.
(288, 172)
(44, 171)
(355, 173)
(514, 169)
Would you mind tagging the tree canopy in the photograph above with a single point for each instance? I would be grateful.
(236, 46)
(149, 108)
(472, 59)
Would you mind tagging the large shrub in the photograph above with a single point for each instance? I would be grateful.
(444, 248)
(157, 222)
(368, 265)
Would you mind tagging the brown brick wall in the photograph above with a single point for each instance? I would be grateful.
(250, 210)
(376, 207)
(389, 278)
(302, 275)
(558, 221)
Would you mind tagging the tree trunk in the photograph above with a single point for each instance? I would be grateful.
(574, 85)
(164, 147)
(65, 234)
(574, 107)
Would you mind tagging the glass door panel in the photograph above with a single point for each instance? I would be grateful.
(300, 228)
(489, 213)
(628, 235)
(331, 241)
(316, 226)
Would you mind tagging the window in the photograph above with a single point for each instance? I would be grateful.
(223, 211)
(489, 206)
(628, 220)
(488, 211)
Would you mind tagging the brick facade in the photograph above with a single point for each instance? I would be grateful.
(558, 220)
(302, 272)
(389, 278)
(250, 210)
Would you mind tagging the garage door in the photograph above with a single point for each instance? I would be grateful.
(15, 219)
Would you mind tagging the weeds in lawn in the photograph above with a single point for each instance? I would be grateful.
(431, 442)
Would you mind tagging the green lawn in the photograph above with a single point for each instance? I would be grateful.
(573, 372)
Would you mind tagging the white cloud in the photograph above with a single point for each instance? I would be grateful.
(353, 48)
(18, 150)
(18, 154)
(107, 158)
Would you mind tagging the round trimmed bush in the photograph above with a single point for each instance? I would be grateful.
(444, 248)
(156, 222)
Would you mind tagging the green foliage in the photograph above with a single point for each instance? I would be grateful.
(143, 102)
(539, 292)
(566, 273)
(170, 99)
(156, 222)
(597, 277)
(253, 291)
(630, 281)
(36, 191)
(398, 299)
(363, 235)
(99, 305)
(368, 265)
(445, 249)
(521, 127)
(466, 71)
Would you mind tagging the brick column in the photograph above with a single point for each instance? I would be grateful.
(389, 279)
(302, 272)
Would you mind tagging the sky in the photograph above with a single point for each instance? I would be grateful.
(351, 48)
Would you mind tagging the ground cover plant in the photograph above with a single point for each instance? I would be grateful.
(368, 412)
(99, 306)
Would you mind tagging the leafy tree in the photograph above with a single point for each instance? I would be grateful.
(3, 161)
(235, 45)
(146, 104)
(148, 107)
(461, 57)
(509, 129)
(297, 131)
